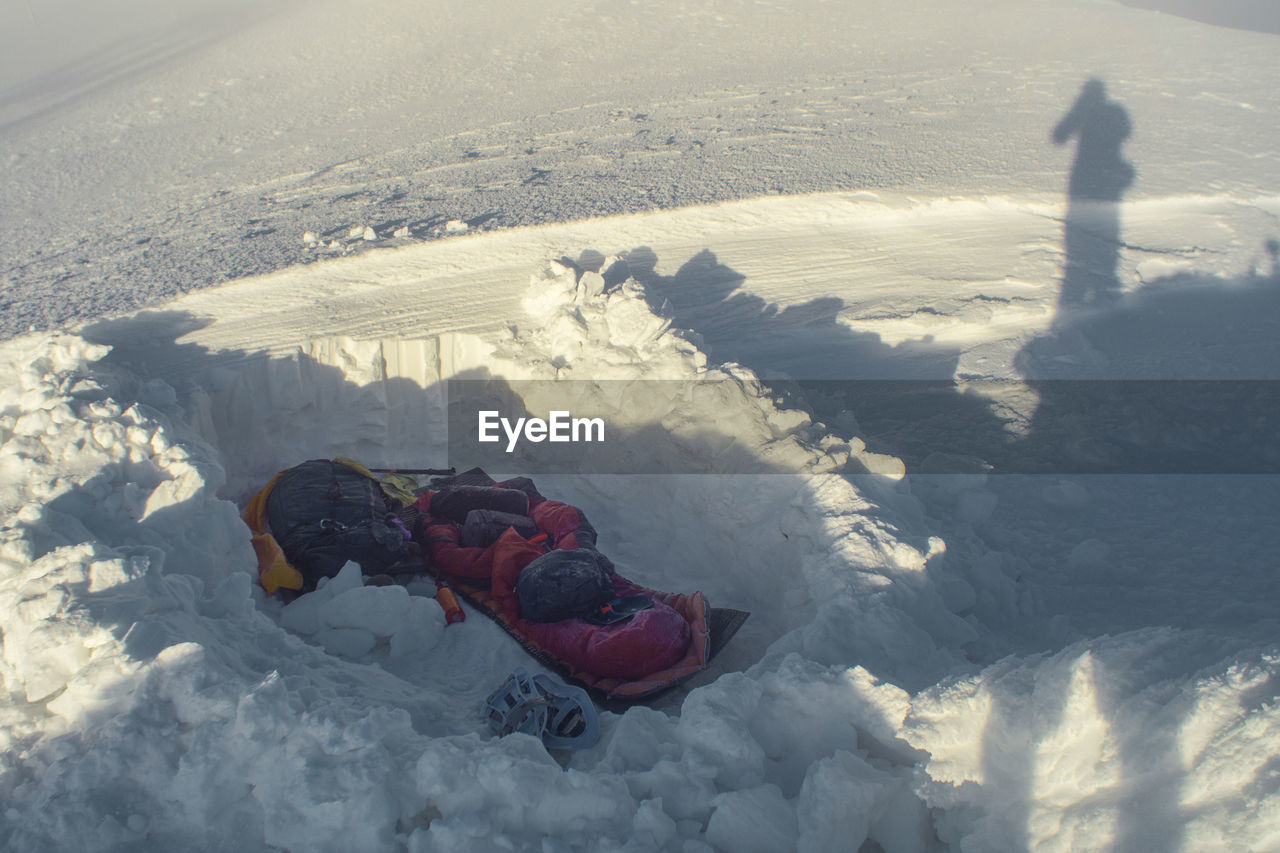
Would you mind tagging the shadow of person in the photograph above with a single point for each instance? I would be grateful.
(1099, 177)
(803, 341)
(895, 398)
(1132, 399)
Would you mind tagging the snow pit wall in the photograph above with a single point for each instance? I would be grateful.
(745, 540)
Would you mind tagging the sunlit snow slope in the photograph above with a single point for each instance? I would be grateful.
(152, 152)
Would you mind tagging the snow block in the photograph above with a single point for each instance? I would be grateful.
(347, 642)
(302, 615)
(350, 577)
(757, 820)
(420, 630)
(714, 725)
(379, 610)
(652, 828)
(840, 798)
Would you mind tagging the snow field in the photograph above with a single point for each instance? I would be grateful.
(198, 147)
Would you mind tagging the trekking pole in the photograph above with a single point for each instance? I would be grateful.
(429, 472)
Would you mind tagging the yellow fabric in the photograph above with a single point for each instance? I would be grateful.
(274, 571)
(399, 487)
(351, 463)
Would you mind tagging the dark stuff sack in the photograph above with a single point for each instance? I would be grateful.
(563, 584)
(483, 527)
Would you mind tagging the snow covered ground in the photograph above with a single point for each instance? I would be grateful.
(1010, 568)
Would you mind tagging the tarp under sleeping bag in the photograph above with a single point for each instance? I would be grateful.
(650, 651)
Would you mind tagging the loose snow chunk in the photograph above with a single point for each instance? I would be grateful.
(510, 786)
(549, 292)
(97, 692)
(886, 466)
(758, 820)
(421, 629)
(108, 435)
(840, 799)
(32, 424)
(350, 577)
(629, 320)
(652, 828)
(590, 285)
(182, 675)
(233, 596)
(809, 711)
(684, 786)
(714, 726)
(104, 574)
(638, 738)
(302, 615)
(456, 226)
(347, 642)
(175, 492)
(379, 610)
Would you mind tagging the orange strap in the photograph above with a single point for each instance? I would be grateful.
(274, 571)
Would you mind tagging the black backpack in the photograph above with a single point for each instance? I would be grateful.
(324, 513)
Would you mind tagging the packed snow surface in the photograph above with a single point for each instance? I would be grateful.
(1011, 569)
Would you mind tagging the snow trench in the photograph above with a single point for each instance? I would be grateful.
(156, 696)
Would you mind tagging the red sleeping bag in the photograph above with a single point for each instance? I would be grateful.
(648, 652)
